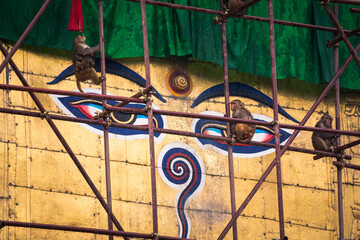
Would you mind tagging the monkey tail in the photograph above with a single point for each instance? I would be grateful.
(78, 83)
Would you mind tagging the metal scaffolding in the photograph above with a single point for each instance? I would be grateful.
(147, 93)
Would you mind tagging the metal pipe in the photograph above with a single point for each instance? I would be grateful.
(355, 10)
(24, 35)
(346, 146)
(63, 142)
(150, 118)
(85, 230)
(346, 165)
(337, 126)
(332, 43)
(293, 24)
(104, 103)
(339, 28)
(286, 146)
(302, 150)
(353, 2)
(69, 93)
(233, 120)
(227, 114)
(247, 17)
(183, 7)
(167, 131)
(276, 120)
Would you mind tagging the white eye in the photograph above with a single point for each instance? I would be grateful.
(141, 120)
(262, 135)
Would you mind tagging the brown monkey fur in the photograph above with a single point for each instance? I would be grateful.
(243, 132)
(234, 5)
(324, 141)
(83, 61)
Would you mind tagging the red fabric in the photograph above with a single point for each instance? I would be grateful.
(76, 20)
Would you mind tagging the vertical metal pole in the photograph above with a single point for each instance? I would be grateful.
(276, 120)
(227, 109)
(337, 123)
(24, 35)
(150, 120)
(104, 103)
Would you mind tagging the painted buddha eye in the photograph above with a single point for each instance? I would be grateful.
(87, 108)
(217, 128)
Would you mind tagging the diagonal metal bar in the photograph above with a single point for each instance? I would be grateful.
(331, 44)
(339, 28)
(290, 140)
(24, 35)
(346, 146)
(64, 143)
(316, 104)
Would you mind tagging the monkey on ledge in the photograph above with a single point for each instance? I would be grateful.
(243, 132)
(324, 141)
(84, 61)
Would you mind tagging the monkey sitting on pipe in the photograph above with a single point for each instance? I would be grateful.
(324, 141)
(233, 5)
(241, 131)
(84, 61)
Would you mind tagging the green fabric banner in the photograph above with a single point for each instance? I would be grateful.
(300, 53)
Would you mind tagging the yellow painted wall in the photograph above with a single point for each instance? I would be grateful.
(41, 184)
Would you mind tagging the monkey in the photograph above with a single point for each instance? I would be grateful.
(242, 132)
(83, 61)
(234, 5)
(324, 141)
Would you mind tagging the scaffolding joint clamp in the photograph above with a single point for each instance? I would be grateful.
(141, 90)
(97, 115)
(108, 123)
(154, 235)
(275, 123)
(147, 108)
(43, 115)
(147, 98)
(342, 163)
